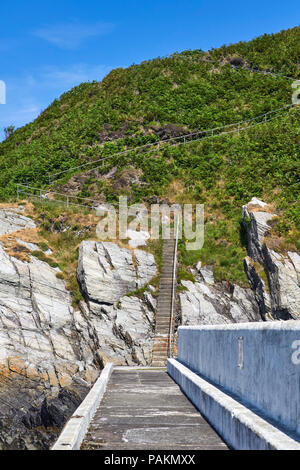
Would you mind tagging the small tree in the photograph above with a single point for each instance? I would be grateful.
(8, 131)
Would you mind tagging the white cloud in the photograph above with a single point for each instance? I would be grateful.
(72, 75)
(29, 94)
(72, 35)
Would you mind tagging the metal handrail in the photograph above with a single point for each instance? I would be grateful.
(174, 280)
(213, 134)
(207, 133)
(42, 196)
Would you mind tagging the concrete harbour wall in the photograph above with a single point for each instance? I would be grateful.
(258, 363)
(239, 426)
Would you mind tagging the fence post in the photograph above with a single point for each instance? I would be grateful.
(18, 191)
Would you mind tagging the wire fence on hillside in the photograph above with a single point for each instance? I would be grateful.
(24, 191)
(182, 139)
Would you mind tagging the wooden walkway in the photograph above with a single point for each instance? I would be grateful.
(145, 409)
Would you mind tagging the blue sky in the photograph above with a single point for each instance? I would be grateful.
(48, 47)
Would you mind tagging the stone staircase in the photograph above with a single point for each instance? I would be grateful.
(164, 306)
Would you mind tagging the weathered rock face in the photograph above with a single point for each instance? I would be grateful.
(39, 334)
(51, 353)
(32, 415)
(124, 325)
(278, 297)
(274, 281)
(12, 220)
(48, 353)
(258, 286)
(255, 220)
(208, 303)
(106, 271)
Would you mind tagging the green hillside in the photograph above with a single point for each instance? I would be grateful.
(168, 97)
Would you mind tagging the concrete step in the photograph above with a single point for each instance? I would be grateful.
(164, 304)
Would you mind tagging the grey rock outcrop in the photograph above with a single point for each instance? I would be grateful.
(46, 349)
(207, 274)
(204, 303)
(255, 220)
(106, 272)
(284, 286)
(259, 288)
(124, 325)
(278, 295)
(12, 220)
(38, 324)
(51, 353)
(274, 281)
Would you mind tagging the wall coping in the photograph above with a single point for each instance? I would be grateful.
(270, 325)
(237, 424)
(75, 429)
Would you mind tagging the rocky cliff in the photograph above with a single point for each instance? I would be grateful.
(51, 353)
(274, 281)
(48, 354)
(124, 324)
(273, 277)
